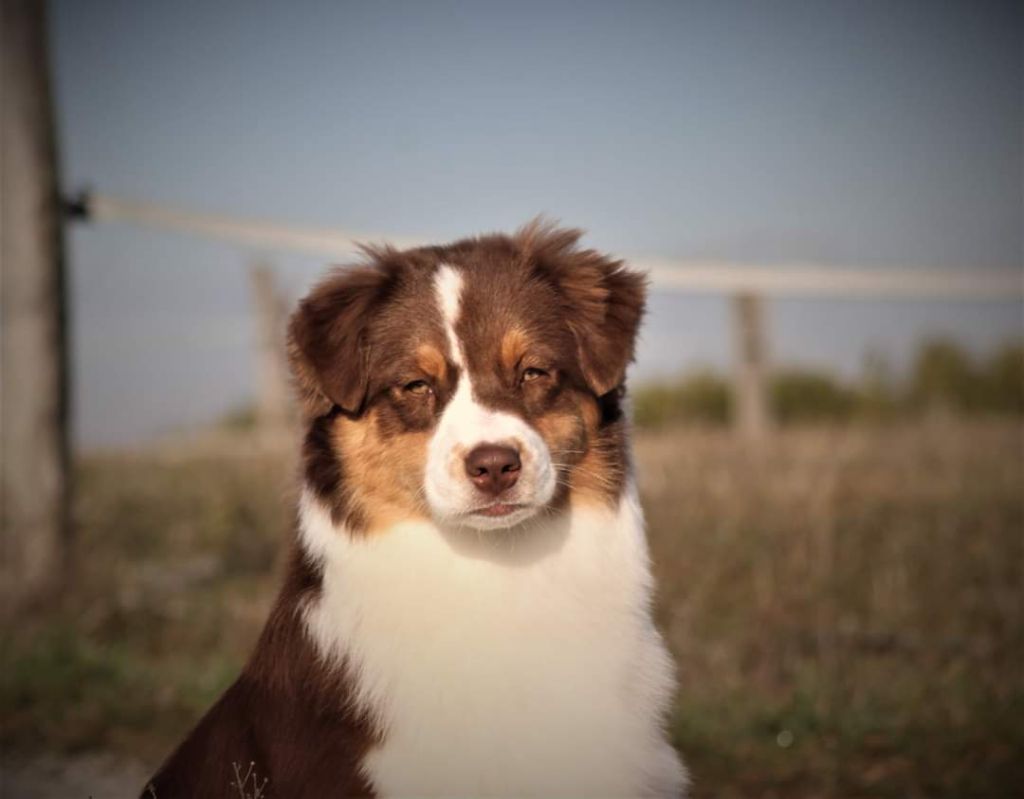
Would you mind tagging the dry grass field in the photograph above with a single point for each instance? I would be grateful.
(846, 604)
(847, 608)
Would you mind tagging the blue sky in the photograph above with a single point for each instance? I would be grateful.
(871, 133)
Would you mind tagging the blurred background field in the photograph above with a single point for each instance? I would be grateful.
(845, 603)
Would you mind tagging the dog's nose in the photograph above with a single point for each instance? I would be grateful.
(493, 468)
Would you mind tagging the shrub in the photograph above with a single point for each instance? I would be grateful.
(1004, 380)
(702, 397)
(943, 376)
(805, 395)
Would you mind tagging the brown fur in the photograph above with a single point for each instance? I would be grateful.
(287, 714)
(372, 369)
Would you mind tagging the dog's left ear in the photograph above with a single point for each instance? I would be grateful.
(327, 339)
(603, 301)
(607, 346)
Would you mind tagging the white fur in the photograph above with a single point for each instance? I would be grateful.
(521, 663)
(465, 424)
(448, 288)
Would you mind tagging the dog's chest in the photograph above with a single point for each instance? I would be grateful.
(530, 669)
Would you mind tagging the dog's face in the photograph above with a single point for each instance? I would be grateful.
(476, 384)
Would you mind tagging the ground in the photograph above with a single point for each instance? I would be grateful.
(846, 606)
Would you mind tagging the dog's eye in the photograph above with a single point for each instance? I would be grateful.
(419, 387)
(531, 373)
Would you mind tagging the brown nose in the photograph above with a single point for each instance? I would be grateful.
(493, 468)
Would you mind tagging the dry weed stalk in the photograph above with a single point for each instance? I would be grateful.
(241, 781)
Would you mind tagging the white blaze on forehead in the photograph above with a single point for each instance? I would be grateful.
(448, 286)
(467, 423)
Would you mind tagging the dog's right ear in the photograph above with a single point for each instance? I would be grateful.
(327, 340)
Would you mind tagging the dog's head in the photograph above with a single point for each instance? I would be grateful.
(477, 384)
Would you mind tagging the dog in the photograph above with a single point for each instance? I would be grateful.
(467, 609)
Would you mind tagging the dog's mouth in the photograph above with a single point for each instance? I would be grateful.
(498, 509)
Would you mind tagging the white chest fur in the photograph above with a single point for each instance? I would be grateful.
(498, 663)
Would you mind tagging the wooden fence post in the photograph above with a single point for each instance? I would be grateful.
(750, 397)
(34, 483)
(273, 404)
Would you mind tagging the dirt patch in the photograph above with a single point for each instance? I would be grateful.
(95, 775)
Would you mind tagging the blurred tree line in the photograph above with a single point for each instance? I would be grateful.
(943, 377)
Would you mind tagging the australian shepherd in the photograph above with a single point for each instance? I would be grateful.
(467, 609)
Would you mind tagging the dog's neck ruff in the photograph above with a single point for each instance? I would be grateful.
(514, 663)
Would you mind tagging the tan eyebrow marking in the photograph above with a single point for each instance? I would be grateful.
(513, 346)
(431, 361)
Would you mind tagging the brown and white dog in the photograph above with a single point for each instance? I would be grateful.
(467, 610)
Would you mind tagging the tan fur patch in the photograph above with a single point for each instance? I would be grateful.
(383, 474)
(564, 434)
(595, 479)
(574, 439)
